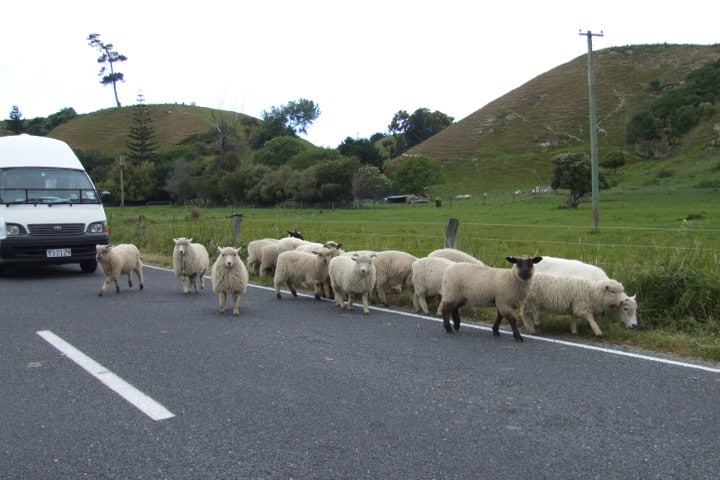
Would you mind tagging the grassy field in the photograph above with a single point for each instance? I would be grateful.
(662, 244)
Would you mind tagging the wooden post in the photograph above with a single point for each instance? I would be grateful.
(237, 219)
(451, 233)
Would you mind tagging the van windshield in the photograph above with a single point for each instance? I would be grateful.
(43, 185)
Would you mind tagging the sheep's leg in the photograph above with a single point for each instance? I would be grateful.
(511, 320)
(290, 287)
(529, 318)
(236, 303)
(593, 324)
(222, 297)
(351, 300)
(319, 290)
(420, 299)
(104, 286)
(447, 309)
(138, 272)
(339, 301)
(277, 291)
(382, 297)
(366, 302)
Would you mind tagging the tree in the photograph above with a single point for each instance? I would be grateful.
(572, 171)
(141, 139)
(15, 122)
(279, 151)
(286, 120)
(369, 182)
(363, 149)
(416, 174)
(418, 127)
(108, 58)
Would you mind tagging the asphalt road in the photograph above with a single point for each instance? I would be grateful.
(297, 389)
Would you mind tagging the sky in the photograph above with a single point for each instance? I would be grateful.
(360, 61)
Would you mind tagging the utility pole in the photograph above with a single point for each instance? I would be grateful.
(593, 133)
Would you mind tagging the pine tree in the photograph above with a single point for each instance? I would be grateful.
(141, 143)
(15, 123)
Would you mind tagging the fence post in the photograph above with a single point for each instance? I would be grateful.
(451, 233)
(237, 218)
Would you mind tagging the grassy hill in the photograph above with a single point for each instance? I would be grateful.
(509, 143)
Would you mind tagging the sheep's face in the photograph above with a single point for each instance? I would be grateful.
(323, 255)
(182, 244)
(363, 264)
(229, 256)
(628, 311)
(524, 265)
(102, 252)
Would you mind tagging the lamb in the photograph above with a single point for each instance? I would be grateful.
(229, 277)
(578, 296)
(116, 260)
(393, 269)
(301, 267)
(351, 276)
(626, 312)
(454, 255)
(190, 262)
(481, 286)
(254, 253)
(427, 275)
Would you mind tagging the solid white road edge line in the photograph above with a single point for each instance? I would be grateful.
(135, 397)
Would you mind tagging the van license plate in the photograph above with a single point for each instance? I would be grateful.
(58, 252)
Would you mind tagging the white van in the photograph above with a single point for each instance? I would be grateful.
(50, 208)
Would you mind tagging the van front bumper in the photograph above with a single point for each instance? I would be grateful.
(30, 249)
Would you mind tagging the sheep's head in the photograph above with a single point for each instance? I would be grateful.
(295, 234)
(363, 264)
(524, 265)
(102, 251)
(182, 244)
(229, 255)
(323, 255)
(628, 311)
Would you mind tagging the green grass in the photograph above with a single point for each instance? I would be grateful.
(661, 244)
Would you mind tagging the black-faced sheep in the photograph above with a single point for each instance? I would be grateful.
(190, 262)
(229, 277)
(300, 267)
(578, 296)
(116, 260)
(351, 276)
(625, 312)
(481, 286)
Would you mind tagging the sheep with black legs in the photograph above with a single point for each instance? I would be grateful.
(481, 286)
(190, 262)
(626, 311)
(229, 277)
(116, 260)
(578, 296)
(352, 275)
(296, 267)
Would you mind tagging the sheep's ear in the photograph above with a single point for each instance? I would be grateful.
(175, 240)
(338, 246)
(219, 249)
(511, 259)
(189, 240)
(537, 259)
(354, 258)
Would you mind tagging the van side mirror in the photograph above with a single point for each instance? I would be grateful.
(104, 196)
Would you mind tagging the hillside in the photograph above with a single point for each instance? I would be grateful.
(106, 130)
(515, 137)
(509, 143)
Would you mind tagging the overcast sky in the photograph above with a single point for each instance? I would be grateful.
(359, 61)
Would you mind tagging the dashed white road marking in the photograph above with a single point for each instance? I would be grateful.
(135, 397)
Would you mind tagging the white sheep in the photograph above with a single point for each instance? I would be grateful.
(571, 294)
(481, 286)
(229, 277)
(254, 253)
(268, 259)
(190, 262)
(625, 312)
(454, 255)
(351, 276)
(427, 275)
(116, 260)
(289, 243)
(393, 271)
(300, 267)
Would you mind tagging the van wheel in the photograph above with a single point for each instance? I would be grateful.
(2, 270)
(88, 266)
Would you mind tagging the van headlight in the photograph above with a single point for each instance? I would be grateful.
(97, 227)
(14, 229)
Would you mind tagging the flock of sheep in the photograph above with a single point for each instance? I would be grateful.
(532, 284)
